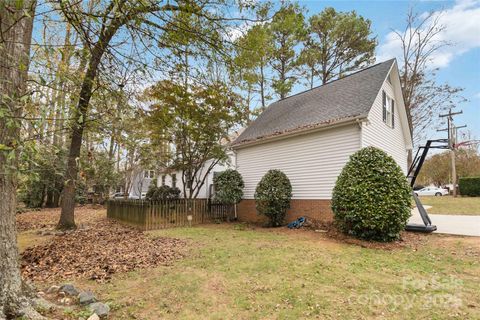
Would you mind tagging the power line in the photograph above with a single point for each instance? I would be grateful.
(452, 142)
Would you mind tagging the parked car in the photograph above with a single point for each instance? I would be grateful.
(117, 195)
(431, 191)
(143, 197)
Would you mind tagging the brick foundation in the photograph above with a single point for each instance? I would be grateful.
(314, 208)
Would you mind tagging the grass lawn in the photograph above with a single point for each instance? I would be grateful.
(451, 205)
(231, 273)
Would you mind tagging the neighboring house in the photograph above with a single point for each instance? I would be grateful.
(141, 180)
(311, 135)
(174, 178)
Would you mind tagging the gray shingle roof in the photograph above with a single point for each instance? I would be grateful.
(348, 97)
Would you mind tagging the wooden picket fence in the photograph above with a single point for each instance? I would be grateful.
(150, 215)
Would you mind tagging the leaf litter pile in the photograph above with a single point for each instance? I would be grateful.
(96, 251)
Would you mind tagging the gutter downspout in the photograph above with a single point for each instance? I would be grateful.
(360, 123)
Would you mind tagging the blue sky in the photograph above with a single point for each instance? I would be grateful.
(459, 65)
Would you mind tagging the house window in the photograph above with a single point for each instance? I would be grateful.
(149, 174)
(174, 180)
(164, 177)
(388, 110)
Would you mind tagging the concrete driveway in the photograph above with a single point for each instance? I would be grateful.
(451, 224)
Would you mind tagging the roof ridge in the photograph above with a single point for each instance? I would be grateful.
(335, 80)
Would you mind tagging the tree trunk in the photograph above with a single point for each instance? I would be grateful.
(16, 34)
(67, 218)
(49, 202)
(262, 87)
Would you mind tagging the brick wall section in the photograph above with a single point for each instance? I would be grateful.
(314, 208)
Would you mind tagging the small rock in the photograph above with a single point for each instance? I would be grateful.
(101, 309)
(69, 289)
(65, 301)
(53, 289)
(94, 317)
(86, 297)
(40, 303)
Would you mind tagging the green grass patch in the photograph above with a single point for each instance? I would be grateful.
(232, 273)
(453, 206)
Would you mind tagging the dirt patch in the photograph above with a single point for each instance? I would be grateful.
(98, 249)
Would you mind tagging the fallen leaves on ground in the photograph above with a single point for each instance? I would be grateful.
(48, 218)
(97, 250)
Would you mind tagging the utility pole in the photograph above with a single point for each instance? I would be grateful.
(452, 136)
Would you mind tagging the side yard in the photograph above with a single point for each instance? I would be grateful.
(235, 271)
(452, 206)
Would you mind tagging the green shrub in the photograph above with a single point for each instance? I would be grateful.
(152, 188)
(32, 193)
(371, 198)
(469, 186)
(80, 192)
(155, 193)
(272, 196)
(228, 186)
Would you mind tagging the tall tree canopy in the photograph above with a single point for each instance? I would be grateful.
(253, 52)
(339, 43)
(197, 123)
(287, 31)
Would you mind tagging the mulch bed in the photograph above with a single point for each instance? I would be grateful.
(327, 231)
(96, 250)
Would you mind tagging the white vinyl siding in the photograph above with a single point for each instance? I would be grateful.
(204, 192)
(382, 135)
(311, 161)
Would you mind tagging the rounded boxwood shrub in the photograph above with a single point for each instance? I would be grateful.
(469, 186)
(155, 193)
(272, 196)
(371, 198)
(228, 186)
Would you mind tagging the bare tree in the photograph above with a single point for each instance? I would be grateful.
(16, 23)
(424, 97)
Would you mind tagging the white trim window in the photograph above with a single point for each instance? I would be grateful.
(149, 174)
(388, 110)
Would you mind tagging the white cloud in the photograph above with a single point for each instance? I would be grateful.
(462, 30)
(239, 31)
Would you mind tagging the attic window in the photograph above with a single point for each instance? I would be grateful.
(388, 110)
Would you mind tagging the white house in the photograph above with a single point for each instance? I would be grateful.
(174, 178)
(310, 136)
(140, 181)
